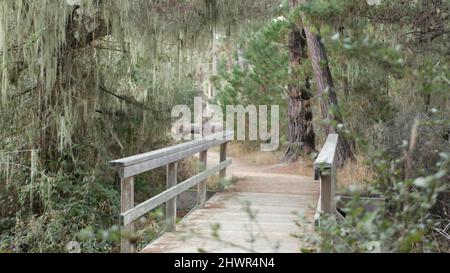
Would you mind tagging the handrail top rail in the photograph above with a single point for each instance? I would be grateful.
(138, 211)
(327, 155)
(136, 159)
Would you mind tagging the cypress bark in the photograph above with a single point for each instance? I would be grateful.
(301, 134)
(326, 92)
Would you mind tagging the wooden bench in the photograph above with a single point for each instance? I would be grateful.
(169, 156)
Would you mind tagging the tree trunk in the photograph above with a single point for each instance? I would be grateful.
(301, 134)
(326, 93)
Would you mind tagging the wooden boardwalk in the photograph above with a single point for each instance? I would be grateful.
(263, 212)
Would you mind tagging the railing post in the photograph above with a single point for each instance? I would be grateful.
(135, 165)
(325, 170)
(171, 205)
(328, 190)
(127, 203)
(223, 157)
(201, 187)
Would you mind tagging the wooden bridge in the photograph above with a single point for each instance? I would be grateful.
(264, 211)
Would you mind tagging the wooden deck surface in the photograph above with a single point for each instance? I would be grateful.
(263, 212)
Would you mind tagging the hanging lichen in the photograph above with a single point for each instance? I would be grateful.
(83, 81)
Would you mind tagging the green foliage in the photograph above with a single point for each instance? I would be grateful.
(83, 82)
(262, 76)
(405, 223)
(393, 90)
(389, 75)
(329, 12)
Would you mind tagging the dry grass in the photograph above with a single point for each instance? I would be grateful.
(355, 173)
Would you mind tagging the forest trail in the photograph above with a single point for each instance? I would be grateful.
(264, 211)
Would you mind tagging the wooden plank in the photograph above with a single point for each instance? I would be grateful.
(223, 157)
(170, 150)
(327, 155)
(148, 165)
(333, 173)
(201, 190)
(126, 203)
(171, 205)
(140, 210)
(326, 194)
(271, 228)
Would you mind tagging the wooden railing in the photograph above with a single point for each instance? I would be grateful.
(325, 171)
(169, 156)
